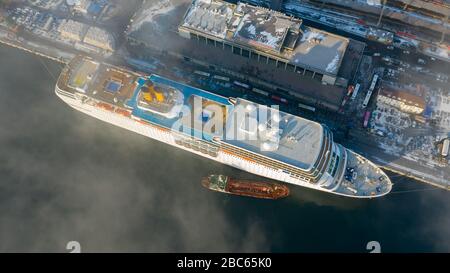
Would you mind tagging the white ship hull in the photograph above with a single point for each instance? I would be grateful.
(167, 137)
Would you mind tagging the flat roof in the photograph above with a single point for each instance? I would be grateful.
(319, 49)
(212, 17)
(295, 141)
(262, 28)
(267, 31)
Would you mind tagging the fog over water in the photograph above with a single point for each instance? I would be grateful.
(66, 176)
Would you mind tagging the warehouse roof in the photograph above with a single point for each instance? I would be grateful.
(268, 31)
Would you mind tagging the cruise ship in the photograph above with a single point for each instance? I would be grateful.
(255, 138)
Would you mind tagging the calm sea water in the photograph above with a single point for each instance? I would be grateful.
(65, 176)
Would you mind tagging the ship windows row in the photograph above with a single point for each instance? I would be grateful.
(323, 155)
(197, 145)
(332, 167)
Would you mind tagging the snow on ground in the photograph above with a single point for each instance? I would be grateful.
(443, 104)
(372, 2)
(51, 51)
(390, 149)
(440, 103)
(359, 30)
(407, 41)
(392, 122)
(387, 117)
(403, 136)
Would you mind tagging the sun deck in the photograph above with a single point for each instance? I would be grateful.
(105, 83)
(192, 100)
(112, 85)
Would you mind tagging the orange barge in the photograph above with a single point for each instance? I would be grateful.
(223, 183)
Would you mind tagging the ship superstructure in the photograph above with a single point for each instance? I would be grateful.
(237, 132)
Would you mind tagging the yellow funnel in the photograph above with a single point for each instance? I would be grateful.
(159, 96)
(148, 96)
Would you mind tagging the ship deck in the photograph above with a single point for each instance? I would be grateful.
(189, 93)
(82, 73)
(365, 180)
(299, 143)
(119, 87)
(102, 82)
(112, 85)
